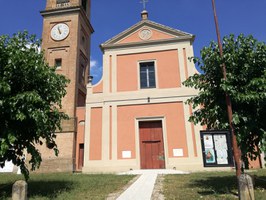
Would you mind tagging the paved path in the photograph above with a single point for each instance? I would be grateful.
(142, 188)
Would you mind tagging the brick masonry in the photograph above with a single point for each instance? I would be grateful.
(74, 50)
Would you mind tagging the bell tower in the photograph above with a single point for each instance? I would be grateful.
(66, 43)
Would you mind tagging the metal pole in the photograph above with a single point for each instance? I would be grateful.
(236, 150)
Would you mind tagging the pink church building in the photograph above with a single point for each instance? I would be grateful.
(136, 116)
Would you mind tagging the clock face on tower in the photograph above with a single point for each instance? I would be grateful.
(59, 31)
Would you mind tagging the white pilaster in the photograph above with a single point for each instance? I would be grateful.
(87, 135)
(188, 131)
(114, 73)
(190, 64)
(198, 128)
(106, 73)
(181, 66)
(114, 132)
(105, 132)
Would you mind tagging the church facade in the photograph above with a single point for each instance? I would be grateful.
(136, 116)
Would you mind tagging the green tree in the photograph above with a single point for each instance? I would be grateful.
(245, 60)
(30, 101)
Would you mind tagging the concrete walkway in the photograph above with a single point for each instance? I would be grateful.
(142, 188)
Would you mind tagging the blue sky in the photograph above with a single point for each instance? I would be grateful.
(110, 17)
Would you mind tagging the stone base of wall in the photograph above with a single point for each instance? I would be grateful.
(56, 165)
(65, 160)
(180, 164)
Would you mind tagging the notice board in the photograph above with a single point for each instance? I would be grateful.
(216, 148)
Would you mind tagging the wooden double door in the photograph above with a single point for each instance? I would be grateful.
(151, 145)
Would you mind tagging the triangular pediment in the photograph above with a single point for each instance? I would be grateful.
(144, 32)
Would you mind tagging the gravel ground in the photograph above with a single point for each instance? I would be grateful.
(157, 193)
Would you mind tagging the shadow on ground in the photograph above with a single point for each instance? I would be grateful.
(48, 189)
(224, 185)
(216, 185)
(5, 190)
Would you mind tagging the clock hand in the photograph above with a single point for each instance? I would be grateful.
(59, 30)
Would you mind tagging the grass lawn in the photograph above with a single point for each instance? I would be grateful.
(210, 185)
(65, 186)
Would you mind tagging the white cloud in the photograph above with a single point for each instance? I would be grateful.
(95, 70)
(93, 63)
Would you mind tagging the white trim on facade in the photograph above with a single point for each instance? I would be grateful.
(110, 97)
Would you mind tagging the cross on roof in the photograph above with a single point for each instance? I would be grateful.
(144, 3)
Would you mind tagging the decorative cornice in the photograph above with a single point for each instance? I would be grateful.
(56, 11)
(156, 95)
(146, 43)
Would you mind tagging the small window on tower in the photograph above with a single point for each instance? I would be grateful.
(84, 4)
(81, 98)
(83, 40)
(82, 74)
(58, 63)
(62, 1)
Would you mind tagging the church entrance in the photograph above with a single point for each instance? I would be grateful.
(151, 145)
